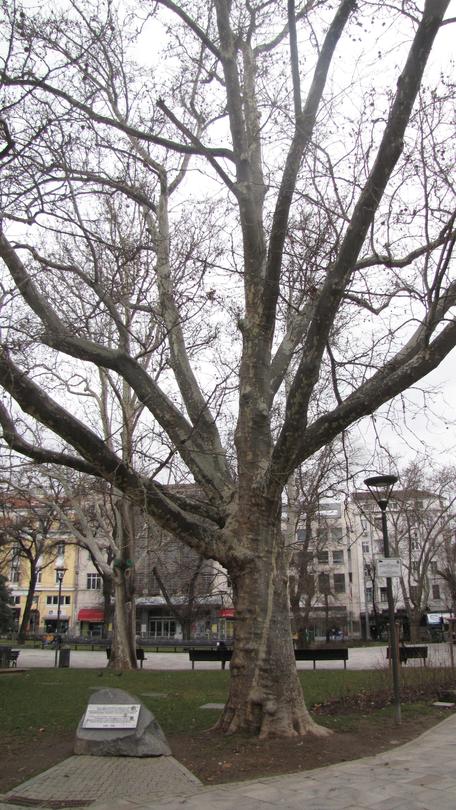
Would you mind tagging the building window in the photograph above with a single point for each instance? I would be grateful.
(14, 577)
(336, 534)
(324, 585)
(338, 557)
(60, 549)
(369, 595)
(38, 576)
(366, 547)
(323, 557)
(301, 535)
(339, 583)
(93, 582)
(383, 595)
(54, 600)
(434, 567)
(436, 591)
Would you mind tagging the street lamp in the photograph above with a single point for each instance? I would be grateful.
(59, 573)
(381, 487)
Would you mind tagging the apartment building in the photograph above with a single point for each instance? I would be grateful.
(420, 526)
(334, 587)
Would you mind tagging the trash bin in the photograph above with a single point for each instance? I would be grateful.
(64, 657)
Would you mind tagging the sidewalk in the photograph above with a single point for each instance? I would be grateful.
(420, 775)
(358, 658)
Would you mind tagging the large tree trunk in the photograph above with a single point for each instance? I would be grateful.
(415, 628)
(123, 650)
(107, 602)
(25, 621)
(265, 693)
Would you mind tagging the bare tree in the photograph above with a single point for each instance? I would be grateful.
(324, 476)
(421, 520)
(29, 531)
(421, 523)
(446, 569)
(186, 589)
(355, 201)
(103, 522)
(6, 613)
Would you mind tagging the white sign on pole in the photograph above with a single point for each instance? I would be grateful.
(111, 715)
(389, 567)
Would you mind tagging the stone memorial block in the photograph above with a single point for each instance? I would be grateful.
(116, 724)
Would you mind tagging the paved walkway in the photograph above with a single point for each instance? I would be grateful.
(420, 775)
(358, 658)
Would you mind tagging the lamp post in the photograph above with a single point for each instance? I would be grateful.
(59, 573)
(366, 570)
(381, 487)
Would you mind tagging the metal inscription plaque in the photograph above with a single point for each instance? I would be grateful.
(107, 715)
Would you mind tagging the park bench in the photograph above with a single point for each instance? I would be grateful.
(210, 655)
(323, 654)
(8, 657)
(318, 654)
(139, 655)
(410, 651)
(5, 653)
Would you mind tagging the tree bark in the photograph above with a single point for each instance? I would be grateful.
(265, 693)
(107, 597)
(123, 650)
(28, 603)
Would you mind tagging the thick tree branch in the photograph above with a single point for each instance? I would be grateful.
(304, 127)
(192, 25)
(396, 376)
(294, 59)
(339, 274)
(106, 120)
(197, 143)
(103, 462)
(188, 439)
(39, 454)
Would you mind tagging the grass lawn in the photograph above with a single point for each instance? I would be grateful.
(55, 699)
(40, 710)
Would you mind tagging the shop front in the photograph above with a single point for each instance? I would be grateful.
(156, 620)
(54, 623)
(91, 622)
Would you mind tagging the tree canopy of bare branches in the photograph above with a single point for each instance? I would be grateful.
(205, 201)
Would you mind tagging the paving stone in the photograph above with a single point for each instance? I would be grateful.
(416, 776)
(103, 778)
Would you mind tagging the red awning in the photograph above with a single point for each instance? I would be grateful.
(226, 613)
(90, 615)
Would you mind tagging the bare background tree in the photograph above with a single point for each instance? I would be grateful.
(421, 524)
(29, 530)
(217, 173)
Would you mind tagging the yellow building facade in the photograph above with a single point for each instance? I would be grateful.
(47, 616)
